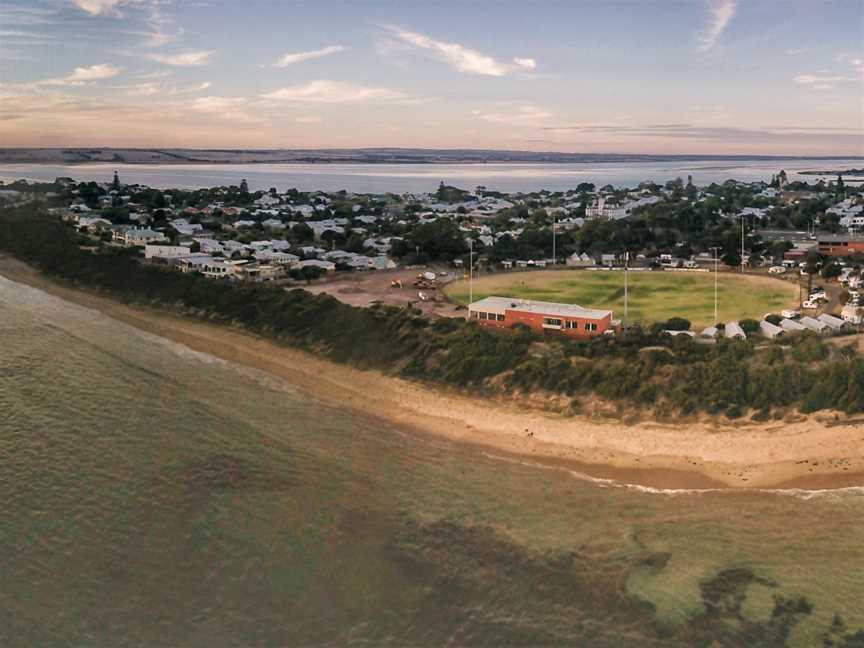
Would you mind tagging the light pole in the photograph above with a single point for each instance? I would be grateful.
(554, 227)
(715, 284)
(742, 242)
(626, 259)
(470, 271)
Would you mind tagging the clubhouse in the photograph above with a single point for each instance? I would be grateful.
(569, 319)
(840, 246)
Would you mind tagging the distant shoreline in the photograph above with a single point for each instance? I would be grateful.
(814, 452)
(149, 156)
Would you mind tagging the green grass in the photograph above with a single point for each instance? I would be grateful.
(653, 296)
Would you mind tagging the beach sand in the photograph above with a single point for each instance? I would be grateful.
(817, 452)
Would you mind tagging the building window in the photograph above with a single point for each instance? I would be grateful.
(500, 318)
(551, 321)
(571, 325)
(590, 326)
(483, 316)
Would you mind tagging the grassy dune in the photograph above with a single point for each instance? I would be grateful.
(654, 296)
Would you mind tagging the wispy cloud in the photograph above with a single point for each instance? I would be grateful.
(154, 89)
(185, 59)
(710, 133)
(461, 58)
(797, 50)
(811, 79)
(12, 15)
(103, 7)
(299, 57)
(84, 75)
(229, 108)
(720, 15)
(324, 91)
(522, 115)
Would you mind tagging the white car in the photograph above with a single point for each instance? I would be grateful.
(790, 314)
(776, 270)
(818, 294)
(810, 304)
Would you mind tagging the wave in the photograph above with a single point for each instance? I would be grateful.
(799, 493)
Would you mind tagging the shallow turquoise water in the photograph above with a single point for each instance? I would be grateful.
(156, 496)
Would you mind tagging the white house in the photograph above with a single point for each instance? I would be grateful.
(166, 251)
(139, 236)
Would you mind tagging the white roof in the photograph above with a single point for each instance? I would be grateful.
(733, 329)
(830, 320)
(500, 304)
(791, 325)
(813, 324)
(770, 330)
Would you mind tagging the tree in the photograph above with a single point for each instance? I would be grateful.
(677, 324)
(749, 326)
(302, 232)
(831, 270)
(731, 259)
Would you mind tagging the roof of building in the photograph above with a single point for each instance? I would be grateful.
(501, 304)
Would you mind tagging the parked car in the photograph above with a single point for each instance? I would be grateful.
(790, 314)
(810, 304)
(776, 270)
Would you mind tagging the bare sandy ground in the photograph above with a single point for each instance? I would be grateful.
(824, 451)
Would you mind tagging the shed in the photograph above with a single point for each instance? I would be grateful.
(791, 326)
(835, 323)
(734, 331)
(710, 332)
(770, 330)
(814, 325)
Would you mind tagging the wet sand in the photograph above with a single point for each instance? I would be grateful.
(818, 452)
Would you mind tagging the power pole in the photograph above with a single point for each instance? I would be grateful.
(554, 227)
(742, 242)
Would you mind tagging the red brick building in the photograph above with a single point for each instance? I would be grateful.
(840, 246)
(569, 319)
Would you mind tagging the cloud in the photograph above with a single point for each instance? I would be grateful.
(186, 59)
(310, 119)
(21, 16)
(524, 115)
(324, 91)
(298, 57)
(102, 7)
(797, 50)
(712, 133)
(816, 79)
(721, 14)
(83, 76)
(229, 108)
(462, 58)
(153, 89)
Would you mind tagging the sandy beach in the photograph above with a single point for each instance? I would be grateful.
(819, 451)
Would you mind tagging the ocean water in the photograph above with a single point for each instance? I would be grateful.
(400, 178)
(156, 496)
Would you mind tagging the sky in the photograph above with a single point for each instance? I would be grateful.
(638, 76)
